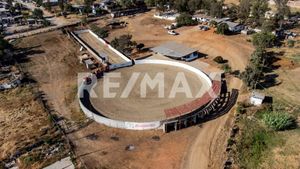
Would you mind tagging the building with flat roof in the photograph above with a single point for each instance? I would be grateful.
(176, 51)
(257, 98)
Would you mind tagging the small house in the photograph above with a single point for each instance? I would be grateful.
(234, 27)
(89, 64)
(176, 51)
(257, 98)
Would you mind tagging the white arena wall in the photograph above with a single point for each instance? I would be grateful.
(198, 72)
(136, 125)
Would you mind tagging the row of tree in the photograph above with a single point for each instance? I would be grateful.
(260, 59)
(248, 11)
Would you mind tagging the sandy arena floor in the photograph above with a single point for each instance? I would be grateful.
(150, 108)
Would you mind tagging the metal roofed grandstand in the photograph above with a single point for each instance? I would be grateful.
(175, 50)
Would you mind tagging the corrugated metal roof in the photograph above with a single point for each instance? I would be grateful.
(232, 24)
(258, 95)
(174, 49)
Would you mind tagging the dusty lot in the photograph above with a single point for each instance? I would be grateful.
(150, 31)
(52, 62)
(26, 130)
(54, 65)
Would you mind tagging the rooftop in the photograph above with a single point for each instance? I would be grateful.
(231, 24)
(257, 95)
(173, 49)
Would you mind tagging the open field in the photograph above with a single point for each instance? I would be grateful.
(52, 62)
(26, 129)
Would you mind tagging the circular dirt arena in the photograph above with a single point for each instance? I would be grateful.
(150, 106)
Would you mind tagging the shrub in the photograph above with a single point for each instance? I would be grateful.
(223, 29)
(213, 23)
(185, 20)
(279, 121)
(230, 142)
(263, 40)
(219, 59)
(101, 32)
(226, 68)
(291, 43)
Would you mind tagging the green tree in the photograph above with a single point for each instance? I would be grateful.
(4, 47)
(101, 32)
(124, 44)
(282, 10)
(181, 5)
(252, 76)
(213, 23)
(185, 19)
(258, 10)
(37, 13)
(87, 6)
(269, 25)
(126, 3)
(244, 10)
(195, 5)
(263, 40)
(222, 28)
(216, 9)
(47, 6)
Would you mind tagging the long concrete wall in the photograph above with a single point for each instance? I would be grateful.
(109, 46)
(198, 72)
(115, 123)
(85, 45)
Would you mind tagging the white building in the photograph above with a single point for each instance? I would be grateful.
(257, 98)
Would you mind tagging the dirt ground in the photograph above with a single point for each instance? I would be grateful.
(150, 31)
(27, 133)
(135, 107)
(54, 65)
(17, 109)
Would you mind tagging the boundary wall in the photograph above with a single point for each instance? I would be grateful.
(98, 117)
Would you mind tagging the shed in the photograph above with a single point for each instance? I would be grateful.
(176, 51)
(234, 27)
(257, 98)
(89, 64)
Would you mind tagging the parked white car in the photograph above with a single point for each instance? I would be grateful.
(172, 32)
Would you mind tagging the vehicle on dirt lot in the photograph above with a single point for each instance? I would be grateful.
(204, 28)
(172, 32)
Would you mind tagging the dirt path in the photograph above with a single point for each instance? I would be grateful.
(206, 150)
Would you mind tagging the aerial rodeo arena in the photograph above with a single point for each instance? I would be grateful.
(148, 93)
